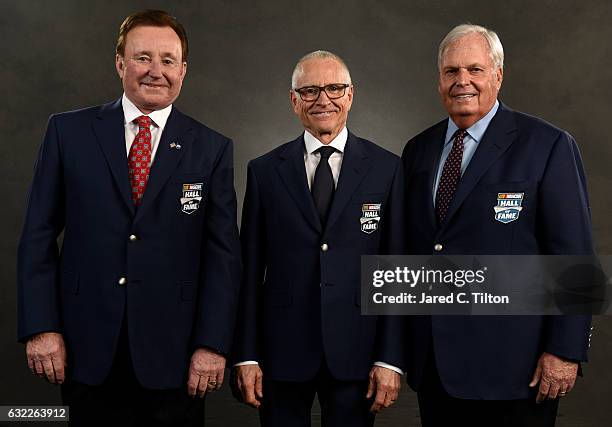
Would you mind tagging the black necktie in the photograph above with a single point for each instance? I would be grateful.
(451, 173)
(323, 184)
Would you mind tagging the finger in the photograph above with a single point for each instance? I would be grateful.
(49, 372)
(192, 384)
(389, 400)
(380, 399)
(249, 394)
(202, 386)
(38, 368)
(371, 386)
(32, 365)
(58, 367)
(259, 386)
(542, 391)
(220, 378)
(553, 391)
(536, 376)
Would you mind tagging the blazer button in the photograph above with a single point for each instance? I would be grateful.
(133, 238)
(324, 247)
(122, 281)
(438, 247)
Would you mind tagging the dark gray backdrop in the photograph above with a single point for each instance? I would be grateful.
(58, 55)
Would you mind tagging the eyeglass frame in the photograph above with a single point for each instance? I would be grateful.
(322, 89)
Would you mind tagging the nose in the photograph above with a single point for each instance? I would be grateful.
(323, 99)
(463, 77)
(155, 68)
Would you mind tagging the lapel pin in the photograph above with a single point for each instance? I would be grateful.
(175, 145)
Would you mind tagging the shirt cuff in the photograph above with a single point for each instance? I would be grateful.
(386, 365)
(246, 362)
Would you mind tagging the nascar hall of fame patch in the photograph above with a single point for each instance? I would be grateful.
(192, 196)
(370, 217)
(508, 207)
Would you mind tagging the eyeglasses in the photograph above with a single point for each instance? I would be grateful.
(312, 93)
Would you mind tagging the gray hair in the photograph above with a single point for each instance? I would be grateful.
(318, 54)
(496, 50)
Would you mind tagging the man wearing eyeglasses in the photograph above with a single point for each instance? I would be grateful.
(313, 206)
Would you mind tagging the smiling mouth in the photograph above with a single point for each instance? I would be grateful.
(464, 96)
(322, 113)
(154, 86)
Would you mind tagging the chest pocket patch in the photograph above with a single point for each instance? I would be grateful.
(191, 197)
(370, 217)
(509, 207)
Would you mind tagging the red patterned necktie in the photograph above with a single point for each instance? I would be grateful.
(139, 162)
(451, 173)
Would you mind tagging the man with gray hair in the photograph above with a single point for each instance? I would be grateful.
(492, 370)
(312, 207)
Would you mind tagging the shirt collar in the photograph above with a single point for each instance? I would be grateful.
(131, 112)
(312, 144)
(477, 130)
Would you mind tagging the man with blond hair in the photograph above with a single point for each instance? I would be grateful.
(492, 370)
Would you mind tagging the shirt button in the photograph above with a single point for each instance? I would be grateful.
(133, 238)
(438, 247)
(324, 247)
(122, 281)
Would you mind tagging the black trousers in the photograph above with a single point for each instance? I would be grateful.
(343, 403)
(121, 401)
(439, 409)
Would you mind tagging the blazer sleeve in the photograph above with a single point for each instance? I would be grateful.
(564, 224)
(253, 240)
(38, 253)
(391, 348)
(220, 260)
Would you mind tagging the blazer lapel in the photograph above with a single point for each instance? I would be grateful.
(293, 174)
(500, 134)
(355, 166)
(110, 133)
(167, 158)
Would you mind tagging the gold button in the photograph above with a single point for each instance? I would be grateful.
(324, 247)
(133, 238)
(438, 247)
(122, 281)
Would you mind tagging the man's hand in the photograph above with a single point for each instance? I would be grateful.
(386, 383)
(555, 375)
(249, 379)
(206, 372)
(46, 355)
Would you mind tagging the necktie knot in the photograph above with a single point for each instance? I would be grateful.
(326, 152)
(459, 135)
(144, 122)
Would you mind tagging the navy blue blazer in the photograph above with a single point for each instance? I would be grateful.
(300, 300)
(494, 357)
(182, 269)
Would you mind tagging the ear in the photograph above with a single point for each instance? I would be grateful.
(183, 71)
(120, 65)
(294, 98)
(350, 93)
(499, 77)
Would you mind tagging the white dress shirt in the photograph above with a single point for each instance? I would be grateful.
(131, 113)
(311, 161)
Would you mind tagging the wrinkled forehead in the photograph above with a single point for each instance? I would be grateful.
(321, 72)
